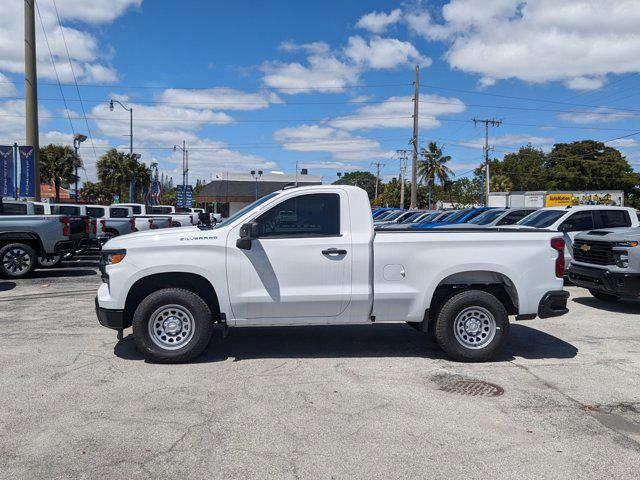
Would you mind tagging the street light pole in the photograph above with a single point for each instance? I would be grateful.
(185, 170)
(256, 177)
(132, 181)
(78, 138)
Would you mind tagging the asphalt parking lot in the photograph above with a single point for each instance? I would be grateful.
(375, 401)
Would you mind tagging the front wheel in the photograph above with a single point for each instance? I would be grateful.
(172, 325)
(17, 260)
(605, 297)
(472, 326)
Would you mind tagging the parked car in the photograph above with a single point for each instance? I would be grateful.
(461, 216)
(572, 220)
(328, 267)
(416, 218)
(496, 217)
(167, 211)
(607, 263)
(378, 212)
(397, 217)
(24, 239)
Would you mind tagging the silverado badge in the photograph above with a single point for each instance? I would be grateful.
(585, 248)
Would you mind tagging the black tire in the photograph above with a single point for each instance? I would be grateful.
(49, 261)
(605, 297)
(163, 300)
(17, 260)
(464, 304)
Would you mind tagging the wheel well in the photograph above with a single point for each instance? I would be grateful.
(112, 230)
(190, 281)
(24, 239)
(497, 284)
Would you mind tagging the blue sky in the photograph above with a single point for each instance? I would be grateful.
(261, 85)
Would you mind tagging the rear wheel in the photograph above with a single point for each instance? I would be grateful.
(605, 297)
(17, 260)
(472, 326)
(172, 325)
(49, 261)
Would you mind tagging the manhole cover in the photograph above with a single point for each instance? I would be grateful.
(473, 388)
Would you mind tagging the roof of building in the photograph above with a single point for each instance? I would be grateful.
(238, 186)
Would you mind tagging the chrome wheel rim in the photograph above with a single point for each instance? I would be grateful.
(171, 327)
(16, 261)
(474, 327)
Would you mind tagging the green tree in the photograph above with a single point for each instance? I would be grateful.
(433, 166)
(114, 171)
(58, 165)
(362, 179)
(465, 192)
(96, 192)
(501, 183)
(525, 169)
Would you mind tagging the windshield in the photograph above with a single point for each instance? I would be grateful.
(251, 206)
(381, 214)
(454, 216)
(393, 216)
(412, 217)
(427, 217)
(487, 217)
(541, 218)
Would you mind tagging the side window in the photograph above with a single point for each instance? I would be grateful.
(513, 217)
(116, 212)
(14, 209)
(38, 209)
(578, 222)
(613, 218)
(95, 212)
(312, 215)
(64, 210)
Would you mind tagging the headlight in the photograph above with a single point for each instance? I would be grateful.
(112, 257)
(627, 244)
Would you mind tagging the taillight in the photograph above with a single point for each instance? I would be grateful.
(132, 222)
(66, 226)
(151, 225)
(94, 226)
(103, 226)
(557, 243)
(191, 219)
(87, 228)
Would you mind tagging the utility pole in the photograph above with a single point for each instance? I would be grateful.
(31, 90)
(494, 123)
(404, 155)
(414, 140)
(185, 170)
(377, 165)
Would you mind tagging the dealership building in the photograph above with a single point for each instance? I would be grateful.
(229, 192)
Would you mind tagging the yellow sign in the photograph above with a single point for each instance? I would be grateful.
(558, 200)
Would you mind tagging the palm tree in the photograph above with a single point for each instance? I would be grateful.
(142, 176)
(434, 166)
(114, 170)
(501, 183)
(58, 165)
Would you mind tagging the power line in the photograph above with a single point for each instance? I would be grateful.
(55, 69)
(75, 80)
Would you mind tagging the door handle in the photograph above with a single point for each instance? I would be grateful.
(334, 251)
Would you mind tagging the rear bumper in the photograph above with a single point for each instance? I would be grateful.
(619, 284)
(63, 247)
(90, 244)
(110, 318)
(553, 304)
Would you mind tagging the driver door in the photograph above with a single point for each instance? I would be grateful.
(299, 267)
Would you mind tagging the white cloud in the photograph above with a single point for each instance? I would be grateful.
(86, 53)
(7, 89)
(396, 112)
(378, 22)
(511, 140)
(341, 145)
(322, 74)
(597, 115)
(318, 48)
(623, 143)
(575, 41)
(12, 121)
(220, 98)
(383, 53)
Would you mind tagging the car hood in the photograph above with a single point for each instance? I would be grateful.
(622, 234)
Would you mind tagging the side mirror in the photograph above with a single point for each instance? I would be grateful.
(564, 228)
(204, 219)
(248, 232)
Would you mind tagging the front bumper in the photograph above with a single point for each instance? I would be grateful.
(553, 304)
(619, 284)
(110, 318)
(90, 244)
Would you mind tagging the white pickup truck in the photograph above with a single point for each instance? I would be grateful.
(168, 211)
(310, 256)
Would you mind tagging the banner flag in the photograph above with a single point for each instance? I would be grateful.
(7, 173)
(27, 171)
